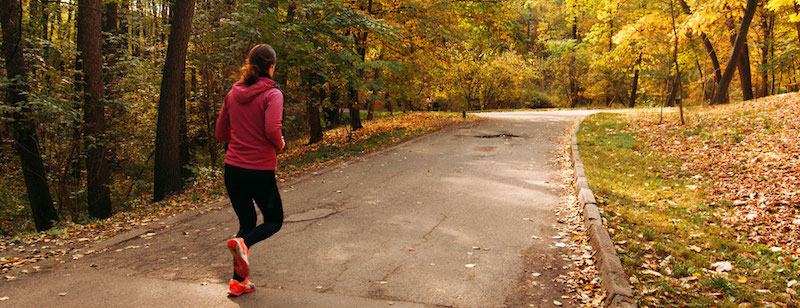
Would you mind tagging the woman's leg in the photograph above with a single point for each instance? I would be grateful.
(268, 200)
(238, 182)
(239, 186)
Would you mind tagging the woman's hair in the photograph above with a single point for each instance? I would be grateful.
(258, 62)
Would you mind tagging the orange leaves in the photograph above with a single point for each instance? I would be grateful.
(746, 156)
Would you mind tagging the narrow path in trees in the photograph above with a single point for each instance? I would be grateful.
(460, 218)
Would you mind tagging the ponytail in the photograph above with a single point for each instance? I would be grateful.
(250, 74)
(259, 60)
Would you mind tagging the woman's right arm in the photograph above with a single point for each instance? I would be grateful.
(223, 129)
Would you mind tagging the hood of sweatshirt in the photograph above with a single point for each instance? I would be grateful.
(244, 94)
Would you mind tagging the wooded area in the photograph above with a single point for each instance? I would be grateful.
(111, 101)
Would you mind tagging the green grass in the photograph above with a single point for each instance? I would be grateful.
(654, 218)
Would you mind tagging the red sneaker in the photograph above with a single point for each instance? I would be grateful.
(241, 262)
(236, 288)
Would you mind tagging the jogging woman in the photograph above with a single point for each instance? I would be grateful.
(250, 121)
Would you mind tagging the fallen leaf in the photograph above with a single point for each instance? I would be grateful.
(653, 273)
(741, 279)
(722, 266)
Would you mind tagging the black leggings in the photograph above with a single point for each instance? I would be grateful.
(246, 185)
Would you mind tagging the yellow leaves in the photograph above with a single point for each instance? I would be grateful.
(775, 5)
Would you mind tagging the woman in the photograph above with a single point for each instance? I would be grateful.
(250, 121)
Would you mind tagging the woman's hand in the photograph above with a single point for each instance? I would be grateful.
(283, 145)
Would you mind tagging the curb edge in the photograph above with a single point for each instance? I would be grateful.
(614, 282)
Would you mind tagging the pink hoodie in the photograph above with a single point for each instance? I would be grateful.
(250, 120)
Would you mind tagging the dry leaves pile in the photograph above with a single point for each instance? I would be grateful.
(744, 155)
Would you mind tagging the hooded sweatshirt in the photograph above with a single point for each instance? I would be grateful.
(250, 120)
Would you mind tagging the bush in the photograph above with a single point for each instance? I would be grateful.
(538, 100)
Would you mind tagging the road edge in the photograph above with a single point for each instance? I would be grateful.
(614, 282)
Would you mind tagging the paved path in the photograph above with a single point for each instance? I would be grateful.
(438, 221)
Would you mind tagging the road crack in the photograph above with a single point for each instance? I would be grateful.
(425, 237)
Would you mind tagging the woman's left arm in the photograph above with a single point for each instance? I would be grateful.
(273, 117)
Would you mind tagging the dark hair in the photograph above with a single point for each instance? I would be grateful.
(258, 62)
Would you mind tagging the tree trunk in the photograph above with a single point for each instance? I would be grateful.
(355, 111)
(371, 106)
(797, 24)
(315, 99)
(745, 76)
(573, 78)
(90, 50)
(635, 84)
(361, 50)
(743, 66)
(714, 63)
(722, 88)
(370, 110)
(575, 27)
(767, 24)
(678, 85)
(26, 144)
(314, 123)
(167, 171)
(332, 113)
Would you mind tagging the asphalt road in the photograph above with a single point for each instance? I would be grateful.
(438, 221)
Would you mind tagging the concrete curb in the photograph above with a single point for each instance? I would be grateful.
(613, 279)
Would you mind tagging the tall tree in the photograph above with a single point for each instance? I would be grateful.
(635, 84)
(90, 50)
(745, 76)
(738, 46)
(167, 171)
(678, 84)
(767, 26)
(316, 98)
(25, 139)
